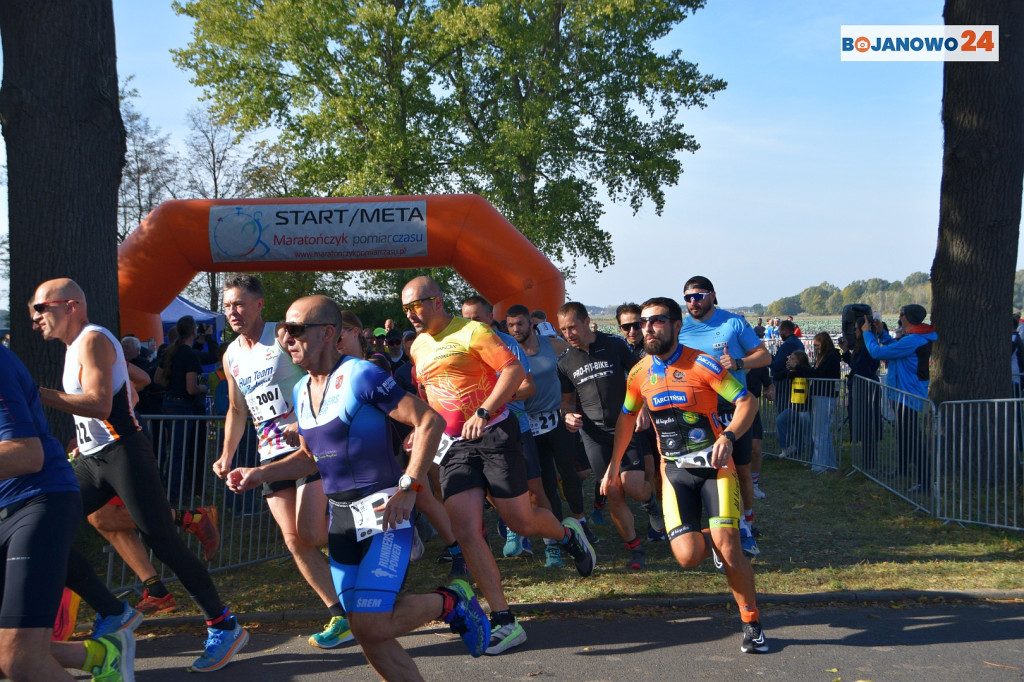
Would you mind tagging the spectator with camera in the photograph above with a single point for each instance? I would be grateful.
(864, 410)
(823, 398)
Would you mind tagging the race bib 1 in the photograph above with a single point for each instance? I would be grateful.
(266, 403)
(367, 521)
(442, 448)
(543, 422)
(695, 460)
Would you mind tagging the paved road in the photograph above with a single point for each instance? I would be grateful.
(972, 641)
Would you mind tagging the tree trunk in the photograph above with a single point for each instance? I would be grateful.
(980, 209)
(65, 149)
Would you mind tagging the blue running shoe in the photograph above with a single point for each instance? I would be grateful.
(128, 619)
(221, 647)
(597, 518)
(527, 547)
(502, 530)
(748, 542)
(468, 620)
(656, 535)
(458, 566)
(513, 544)
(553, 556)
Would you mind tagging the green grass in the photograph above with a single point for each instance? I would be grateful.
(821, 533)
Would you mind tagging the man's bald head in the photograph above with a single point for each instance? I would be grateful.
(316, 310)
(60, 288)
(421, 287)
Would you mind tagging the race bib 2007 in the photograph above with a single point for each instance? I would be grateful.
(266, 403)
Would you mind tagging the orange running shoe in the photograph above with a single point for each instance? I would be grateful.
(150, 605)
(205, 529)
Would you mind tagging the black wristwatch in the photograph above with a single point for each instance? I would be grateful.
(730, 435)
(483, 414)
(739, 363)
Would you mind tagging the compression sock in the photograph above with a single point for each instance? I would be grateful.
(336, 610)
(95, 653)
(156, 587)
(755, 477)
(225, 621)
(749, 613)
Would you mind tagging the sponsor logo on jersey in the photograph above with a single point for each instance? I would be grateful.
(710, 363)
(690, 417)
(381, 573)
(338, 381)
(653, 378)
(697, 435)
(666, 398)
(365, 603)
(678, 376)
(234, 371)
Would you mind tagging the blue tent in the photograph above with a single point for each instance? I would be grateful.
(181, 307)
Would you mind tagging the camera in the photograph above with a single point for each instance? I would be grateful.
(853, 317)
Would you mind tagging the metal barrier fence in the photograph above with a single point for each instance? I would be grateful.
(186, 448)
(810, 432)
(978, 462)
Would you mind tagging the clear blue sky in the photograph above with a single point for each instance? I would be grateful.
(810, 169)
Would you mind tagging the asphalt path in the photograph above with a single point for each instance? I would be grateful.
(969, 640)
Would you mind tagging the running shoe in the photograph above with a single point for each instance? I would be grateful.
(128, 619)
(205, 530)
(336, 632)
(654, 514)
(504, 637)
(598, 518)
(119, 662)
(753, 639)
(502, 529)
(513, 543)
(149, 604)
(758, 493)
(589, 532)
(459, 567)
(748, 542)
(583, 554)
(553, 556)
(527, 547)
(221, 647)
(445, 557)
(637, 560)
(468, 619)
(656, 535)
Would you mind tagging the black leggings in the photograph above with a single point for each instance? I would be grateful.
(128, 469)
(557, 454)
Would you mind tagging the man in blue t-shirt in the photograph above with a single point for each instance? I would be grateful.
(40, 507)
(731, 340)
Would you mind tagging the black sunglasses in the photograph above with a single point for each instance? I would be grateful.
(297, 329)
(653, 319)
(41, 307)
(630, 326)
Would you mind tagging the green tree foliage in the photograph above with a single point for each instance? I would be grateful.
(536, 105)
(883, 296)
(784, 306)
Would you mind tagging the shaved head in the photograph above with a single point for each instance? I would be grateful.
(421, 287)
(316, 309)
(61, 287)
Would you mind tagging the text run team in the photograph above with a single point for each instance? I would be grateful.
(497, 416)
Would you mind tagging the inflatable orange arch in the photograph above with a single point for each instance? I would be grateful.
(182, 238)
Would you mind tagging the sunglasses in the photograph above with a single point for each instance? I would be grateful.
(41, 307)
(395, 342)
(416, 305)
(297, 329)
(653, 319)
(697, 297)
(630, 326)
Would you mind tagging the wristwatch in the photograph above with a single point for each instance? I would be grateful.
(730, 435)
(483, 414)
(739, 363)
(407, 483)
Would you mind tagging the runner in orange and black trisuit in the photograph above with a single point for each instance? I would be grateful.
(680, 387)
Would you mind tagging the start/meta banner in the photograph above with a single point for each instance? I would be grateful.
(328, 231)
(940, 43)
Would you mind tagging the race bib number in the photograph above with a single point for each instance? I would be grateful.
(695, 460)
(442, 449)
(266, 403)
(543, 422)
(367, 521)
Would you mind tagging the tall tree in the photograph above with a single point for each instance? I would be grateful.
(150, 174)
(535, 104)
(213, 168)
(980, 208)
(65, 148)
